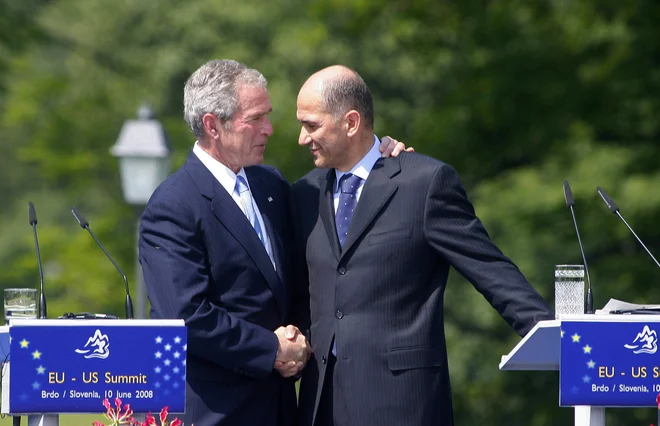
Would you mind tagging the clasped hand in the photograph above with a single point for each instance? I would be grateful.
(293, 351)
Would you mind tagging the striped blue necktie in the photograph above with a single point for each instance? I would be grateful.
(243, 191)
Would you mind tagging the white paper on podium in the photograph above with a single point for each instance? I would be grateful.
(619, 305)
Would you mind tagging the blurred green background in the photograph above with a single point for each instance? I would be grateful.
(516, 95)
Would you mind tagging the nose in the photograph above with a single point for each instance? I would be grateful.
(304, 138)
(268, 128)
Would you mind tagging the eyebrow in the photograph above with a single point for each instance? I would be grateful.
(308, 122)
(260, 114)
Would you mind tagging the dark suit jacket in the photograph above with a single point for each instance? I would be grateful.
(203, 262)
(382, 295)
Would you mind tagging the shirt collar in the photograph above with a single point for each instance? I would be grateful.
(223, 174)
(364, 166)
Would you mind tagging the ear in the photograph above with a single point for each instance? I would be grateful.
(212, 126)
(353, 120)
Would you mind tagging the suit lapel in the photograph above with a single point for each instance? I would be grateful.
(231, 216)
(377, 190)
(226, 211)
(269, 206)
(268, 210)
(327, 210)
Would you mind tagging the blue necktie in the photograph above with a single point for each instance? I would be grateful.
(243, 191)
(348, 186)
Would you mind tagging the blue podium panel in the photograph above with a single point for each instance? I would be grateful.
(610, 361)
(4, 343)
(70, 366)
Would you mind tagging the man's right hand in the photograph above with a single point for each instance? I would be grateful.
(293, 351)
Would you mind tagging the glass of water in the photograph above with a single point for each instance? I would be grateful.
(569, 290)
(20, 303)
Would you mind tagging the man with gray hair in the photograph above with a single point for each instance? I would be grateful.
(215, 244)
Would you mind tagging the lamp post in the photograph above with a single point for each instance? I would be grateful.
(143, 154)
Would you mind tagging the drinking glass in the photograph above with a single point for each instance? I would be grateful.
(569, 290)
(20, 303)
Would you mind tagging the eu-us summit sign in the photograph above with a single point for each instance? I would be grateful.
(70, 366)
(612, 361)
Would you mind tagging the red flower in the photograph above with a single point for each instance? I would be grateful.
(163, 418)
(116, 416)
(163, 414)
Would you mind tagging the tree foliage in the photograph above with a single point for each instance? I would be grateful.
(516, 95)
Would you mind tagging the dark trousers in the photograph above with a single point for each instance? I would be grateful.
(332, 409)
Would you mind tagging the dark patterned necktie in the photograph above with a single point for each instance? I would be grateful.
(348, 186)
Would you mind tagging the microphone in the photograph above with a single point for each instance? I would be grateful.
(615, 209)
(32, 214)
(85, 225)
(570, 203)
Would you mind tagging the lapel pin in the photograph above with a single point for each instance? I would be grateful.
(270, 199)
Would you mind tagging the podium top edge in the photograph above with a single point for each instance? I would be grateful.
(609, 318)
(548, 324)
(99, 322)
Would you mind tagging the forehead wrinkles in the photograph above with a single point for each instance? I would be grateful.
(253, 101)
(310, 111)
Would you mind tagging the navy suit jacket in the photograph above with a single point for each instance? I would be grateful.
(203, 262)
(382, 295)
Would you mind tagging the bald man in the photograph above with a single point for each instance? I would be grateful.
(378, 244)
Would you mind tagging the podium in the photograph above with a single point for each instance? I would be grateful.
(603, 361)
(58, 366)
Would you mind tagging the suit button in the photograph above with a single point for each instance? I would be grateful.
(339, 315)
(342, 270)
(324, 360)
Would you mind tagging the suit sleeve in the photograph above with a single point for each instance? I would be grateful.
(173, 259)
(453, 229)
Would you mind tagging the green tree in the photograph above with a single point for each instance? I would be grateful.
(516, 95)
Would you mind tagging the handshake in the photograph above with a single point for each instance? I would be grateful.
(293, 351)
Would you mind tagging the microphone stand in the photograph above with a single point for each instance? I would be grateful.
(32, 213)
(590, 295)
(615, 209)
(570, 202)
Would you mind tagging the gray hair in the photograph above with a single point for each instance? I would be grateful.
(344, 93)
(212, 89)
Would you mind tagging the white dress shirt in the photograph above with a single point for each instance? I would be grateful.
(227, 179)
(361, 169)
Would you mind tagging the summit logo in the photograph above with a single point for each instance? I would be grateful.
(645, 342)
(97, 346)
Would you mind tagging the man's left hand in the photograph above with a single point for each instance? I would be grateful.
(391, 147)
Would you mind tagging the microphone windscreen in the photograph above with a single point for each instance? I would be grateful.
(81, 220)
(568, 195)
(32, 213)
(608, 201)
